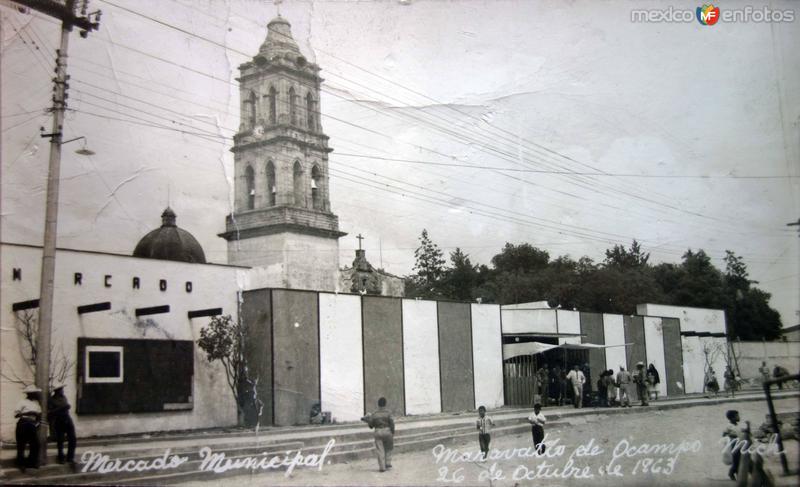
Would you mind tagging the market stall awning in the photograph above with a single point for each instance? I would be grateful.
(511, 350)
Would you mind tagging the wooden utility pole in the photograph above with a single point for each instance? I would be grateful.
(86, 22)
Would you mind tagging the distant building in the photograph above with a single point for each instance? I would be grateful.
(363, 278)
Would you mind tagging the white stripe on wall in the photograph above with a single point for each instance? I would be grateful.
(487, 353)
(614, 334)
(340, 356)
(654, 349)
(421, 357)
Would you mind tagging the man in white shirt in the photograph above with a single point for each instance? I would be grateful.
(577, 379)
(537, 421)
(28, 413)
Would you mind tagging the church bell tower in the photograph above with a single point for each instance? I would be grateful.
(282, 217)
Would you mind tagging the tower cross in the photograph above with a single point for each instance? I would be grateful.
(360, 238)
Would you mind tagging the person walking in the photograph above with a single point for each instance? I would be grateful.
(29, 414)
(730, 381)
(544, 383)
(577, 379)
(382, 422)
(611, 387)
(624, 383)
(537, 421)
(640, 378)
(58, 415)
(485, 425)
(710, 381)
(764, 371)
(653, 380)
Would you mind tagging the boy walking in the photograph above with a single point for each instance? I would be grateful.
(537, 421)
(485, 425)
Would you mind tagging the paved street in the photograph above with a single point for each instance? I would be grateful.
(690, 455)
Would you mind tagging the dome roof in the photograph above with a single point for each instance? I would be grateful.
(279, 40)
(170, 243)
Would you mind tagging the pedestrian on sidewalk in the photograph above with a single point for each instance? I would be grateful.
(624, 383)
(730, 381)
(611, 387)
(710, 381)
(653, 380)
(382, 422)
(764, 371)
(537, 421)
(577, 379)
(485, 425)
(640, 378)
(602, 389)
(58, 415)
(29, 414)
(544, 382)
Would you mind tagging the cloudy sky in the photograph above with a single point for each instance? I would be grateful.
(562, 124)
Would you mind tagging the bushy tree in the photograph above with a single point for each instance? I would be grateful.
(224, 340)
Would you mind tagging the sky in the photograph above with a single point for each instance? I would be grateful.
(562, 124)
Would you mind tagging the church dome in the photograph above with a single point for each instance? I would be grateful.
(170, 243)
(279, 42)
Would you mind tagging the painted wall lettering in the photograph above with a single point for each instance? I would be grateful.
(136, 283)
(107, 280)
(188, 286)
(16, 274)
(78, 279)
(162, 284)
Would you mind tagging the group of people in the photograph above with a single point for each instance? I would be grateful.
(29, 417)
(558, 387)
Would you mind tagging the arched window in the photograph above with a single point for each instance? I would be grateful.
(250, 184)
(298, 184)
(292, 107)
(272, 190)
(310, 110)
(316, 188)
(273, 104)
(251, 110)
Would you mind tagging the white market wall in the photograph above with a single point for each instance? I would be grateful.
(341, 357)
(568, 322)
(614, 334)
(421, 357)
(654, 349)
(212, 286)
(524, 320)
(487, 352)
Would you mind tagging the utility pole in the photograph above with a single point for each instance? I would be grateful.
(65, 11)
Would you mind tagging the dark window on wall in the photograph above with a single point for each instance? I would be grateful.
(292, 107)
(316, 181)
(310, 110)
(273, 105)
(251, 110)
(104, 364)
(128, 376)
(271, 188)
(298, 184)
(250, 184)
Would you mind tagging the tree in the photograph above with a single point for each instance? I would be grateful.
(461, 278)
(27, 327)
(627, 259)
(520, 258)
(224, 340)
(429, 268)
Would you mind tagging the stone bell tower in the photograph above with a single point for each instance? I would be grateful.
(282, 217)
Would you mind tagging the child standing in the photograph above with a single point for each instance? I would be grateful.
(735, 435)
(484, 424)
(537, 421)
